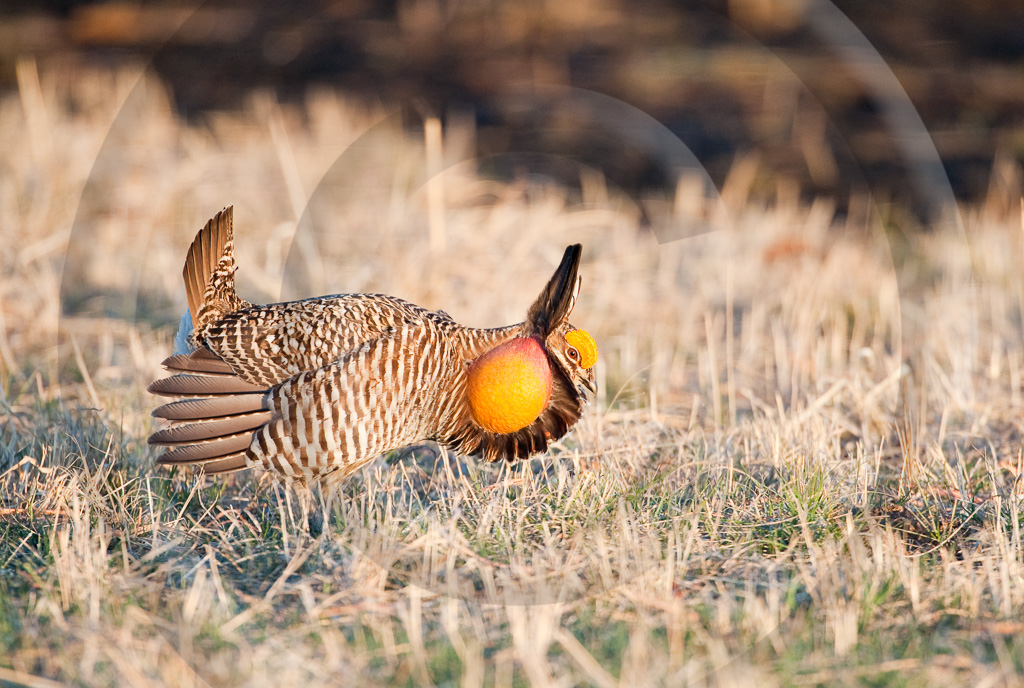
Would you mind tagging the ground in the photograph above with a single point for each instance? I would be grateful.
(802, 467)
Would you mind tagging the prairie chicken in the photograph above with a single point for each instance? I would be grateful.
(315, 389)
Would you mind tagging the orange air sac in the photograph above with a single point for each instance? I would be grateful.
(509, 386)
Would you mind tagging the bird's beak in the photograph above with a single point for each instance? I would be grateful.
(589, 382)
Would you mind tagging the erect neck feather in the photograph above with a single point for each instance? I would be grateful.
(474, 342)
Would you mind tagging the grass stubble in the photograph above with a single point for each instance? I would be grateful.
(745, 503)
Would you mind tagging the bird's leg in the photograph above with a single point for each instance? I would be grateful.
(316, 508)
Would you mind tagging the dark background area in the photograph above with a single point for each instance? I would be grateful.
(728, 78)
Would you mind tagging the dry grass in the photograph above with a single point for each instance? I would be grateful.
(745, 503)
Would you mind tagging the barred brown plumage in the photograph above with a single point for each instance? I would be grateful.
(314, 389)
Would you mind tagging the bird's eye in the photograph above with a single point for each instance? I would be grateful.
(573, 354)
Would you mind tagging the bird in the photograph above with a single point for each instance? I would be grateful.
(312, 390)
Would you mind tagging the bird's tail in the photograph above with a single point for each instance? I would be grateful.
(209, 274)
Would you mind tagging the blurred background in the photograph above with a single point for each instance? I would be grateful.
(796, 83)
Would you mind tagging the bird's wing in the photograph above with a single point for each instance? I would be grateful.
(385, 394)
(214, 416)
(269, 344)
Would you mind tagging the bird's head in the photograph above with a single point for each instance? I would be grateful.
(575, 352)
